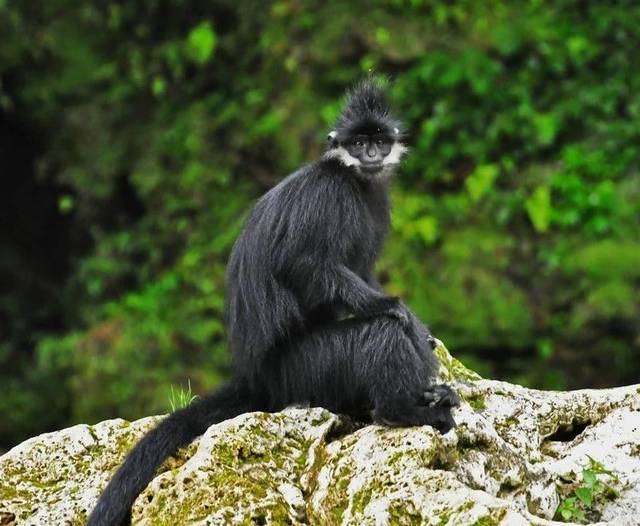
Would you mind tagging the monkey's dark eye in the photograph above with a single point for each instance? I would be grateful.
(359, 143)
(379, 142)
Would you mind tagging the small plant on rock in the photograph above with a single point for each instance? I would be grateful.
(180, 397)
(579, 505)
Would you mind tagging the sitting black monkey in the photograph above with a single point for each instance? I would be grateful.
(306, 319)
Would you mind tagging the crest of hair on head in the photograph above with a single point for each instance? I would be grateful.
(366, 109)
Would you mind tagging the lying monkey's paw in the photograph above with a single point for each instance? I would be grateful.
(440, 396)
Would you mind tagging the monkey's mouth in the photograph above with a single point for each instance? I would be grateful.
(370, 168)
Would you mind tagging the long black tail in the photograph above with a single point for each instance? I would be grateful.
(177, 430)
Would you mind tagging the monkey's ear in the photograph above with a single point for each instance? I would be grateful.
(331, 138)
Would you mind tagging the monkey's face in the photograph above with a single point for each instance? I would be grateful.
(369, 150)
(371, 155)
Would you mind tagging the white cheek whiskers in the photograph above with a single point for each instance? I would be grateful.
(396, 153)
(343, 156)
(388, 163)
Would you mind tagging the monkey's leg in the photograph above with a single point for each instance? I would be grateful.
(360, 364)
(400, 367)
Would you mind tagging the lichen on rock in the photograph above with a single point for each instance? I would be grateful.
(510, 461)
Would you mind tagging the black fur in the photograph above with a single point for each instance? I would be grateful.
(306, 319)
(366, 112)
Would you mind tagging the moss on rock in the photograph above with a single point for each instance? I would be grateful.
(502, 464)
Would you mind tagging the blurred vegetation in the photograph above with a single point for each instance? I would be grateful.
(134, 137)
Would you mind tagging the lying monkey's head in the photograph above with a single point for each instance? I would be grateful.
(366, 136)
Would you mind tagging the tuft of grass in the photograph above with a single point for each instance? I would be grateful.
(180, 397)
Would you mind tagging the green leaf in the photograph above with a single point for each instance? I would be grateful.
(427, 228)
(589, 478)
(65, 204)
(546, 125)
(598, 467)
(538, 207)
(159, 86)
(383, 36)
(481, 181)
(201, 42)
(545, 349)
(585, 495)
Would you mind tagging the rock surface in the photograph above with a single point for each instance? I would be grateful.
(516, 454)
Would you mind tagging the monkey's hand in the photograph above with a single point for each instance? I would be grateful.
(391, 306)
(440, 396)
(438, 401)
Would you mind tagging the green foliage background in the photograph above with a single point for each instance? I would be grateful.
(135, 136)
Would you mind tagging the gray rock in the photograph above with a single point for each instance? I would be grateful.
(515, 455)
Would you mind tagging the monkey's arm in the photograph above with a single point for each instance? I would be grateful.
(371, 280)
(318, 283)
(324, 231)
